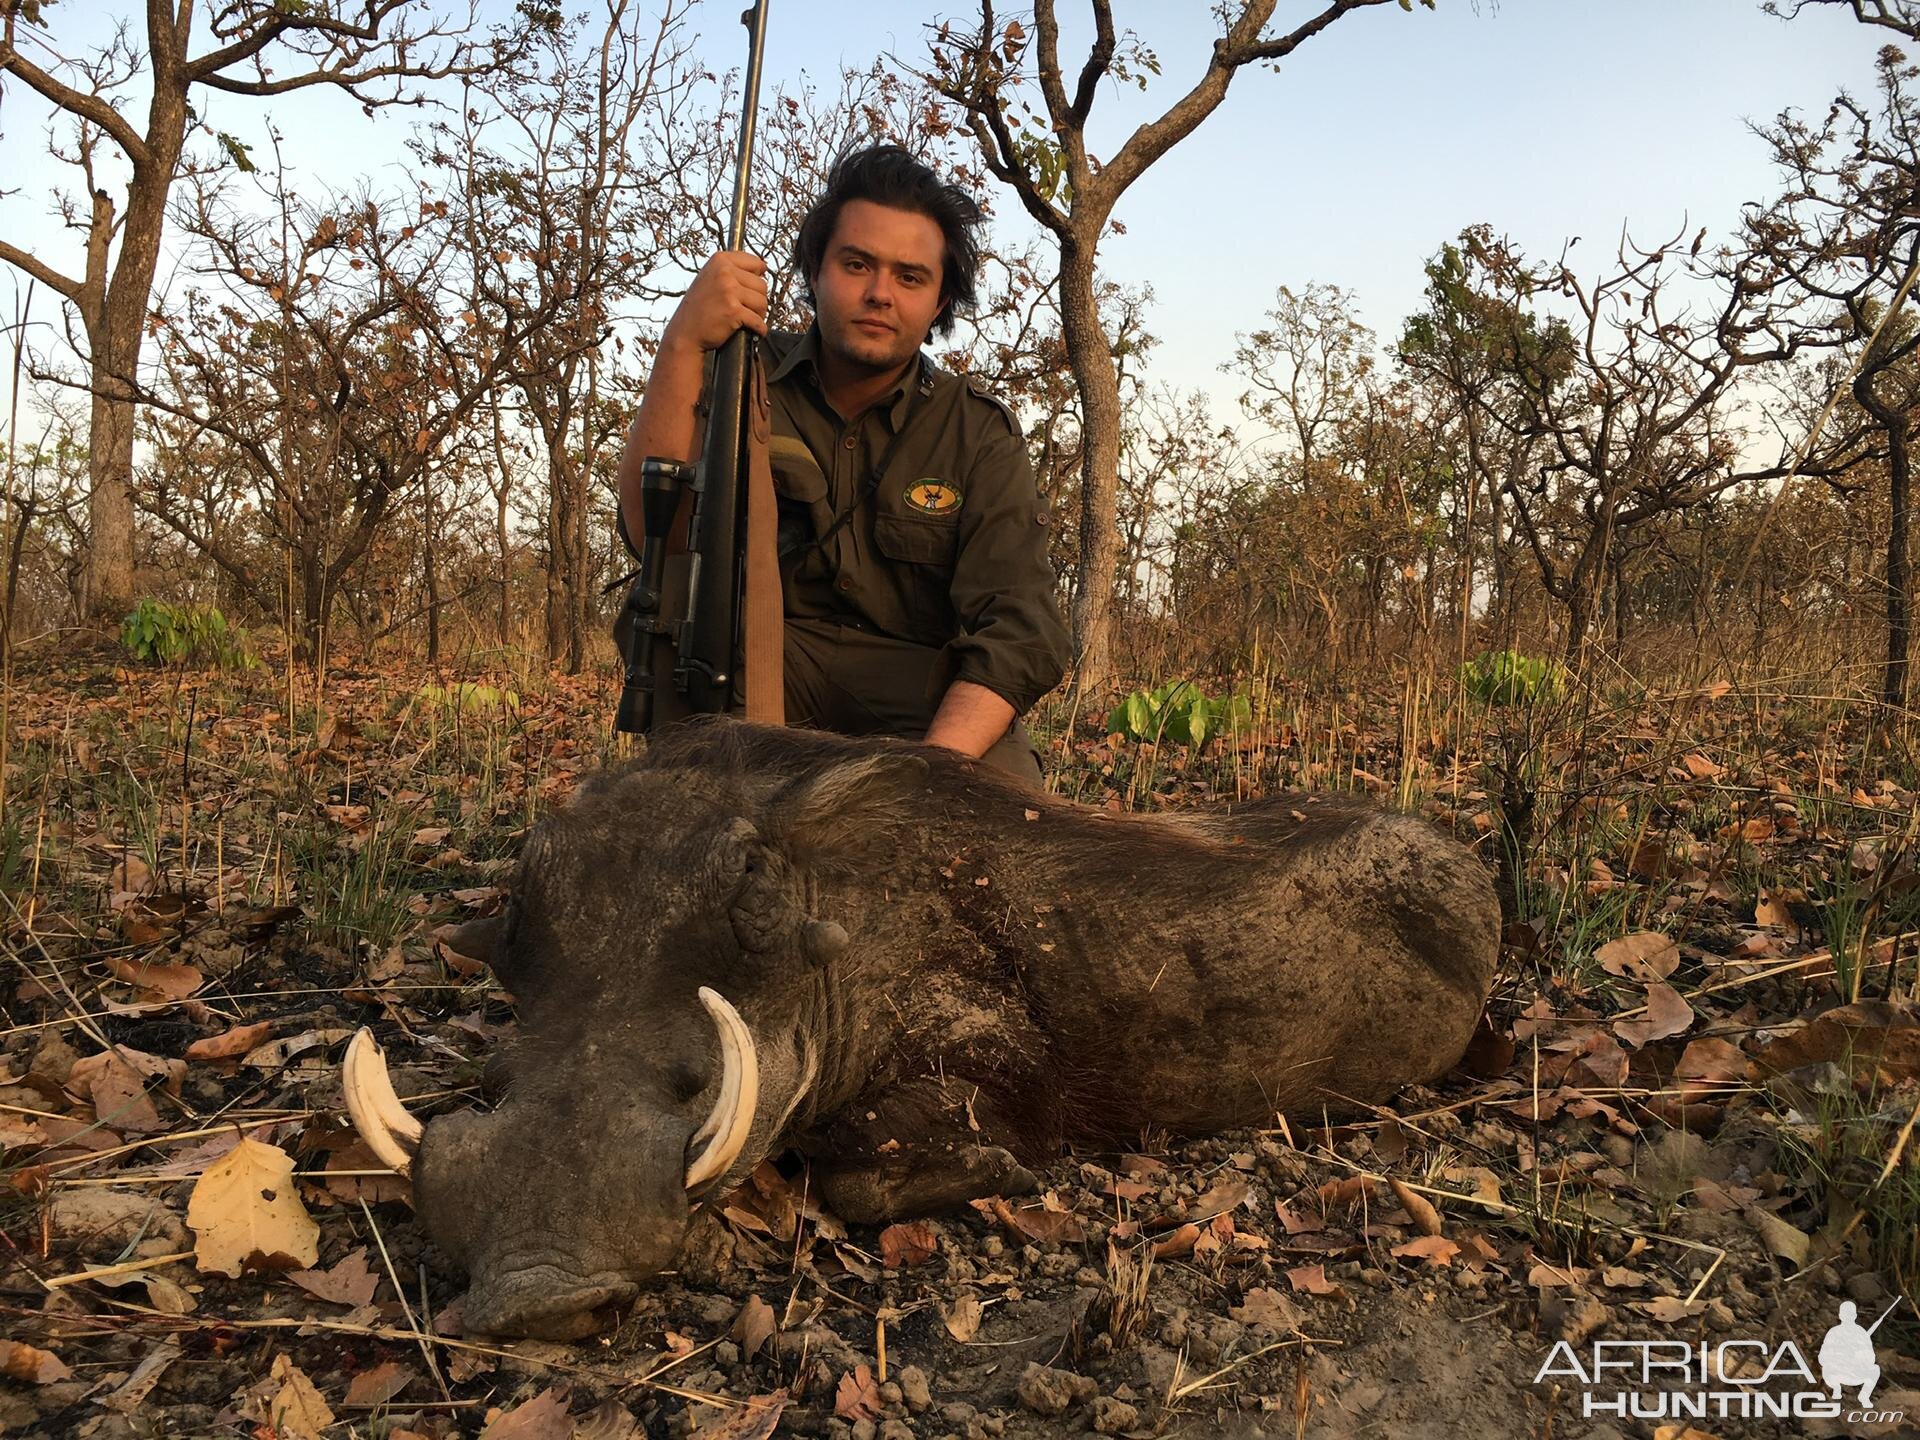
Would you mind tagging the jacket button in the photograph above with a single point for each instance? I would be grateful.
(850, 442)
(846, 582)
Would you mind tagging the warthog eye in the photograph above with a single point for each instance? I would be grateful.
(684, 1083)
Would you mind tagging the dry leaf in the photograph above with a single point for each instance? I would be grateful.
(1709, 1063)
(275, 1054)
(1033, 1222)
(962, 1316)
(132, 877)
(1269, 1309)
(28, 1363)
(542, 1418)
(909, 1243)
(1871, 1039)
(297, 1411)
(116, 1083)
(247, 1214)
(756, 1419)
(1645, 955)
(1669, 1309)
(1667, 1014)
(1228, 1195)
(1426, 1219)
(858, 1396)
(1436, 1250)
(1176, 1242)
(1700, 767)
(753, 1326)
(1551, 1277)
(133, 1394)
(172, 982)
(1312, 1280)
(231, 1044)
(1782, 1239)
(350, 1281)
(380, 1384)
(1649, 860)
(162, 1294)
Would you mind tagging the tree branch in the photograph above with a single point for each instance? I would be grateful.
(40, 271)
(90, 108)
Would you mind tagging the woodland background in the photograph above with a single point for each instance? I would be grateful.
(391, 412)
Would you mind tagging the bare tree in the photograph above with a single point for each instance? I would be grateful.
(371, 49)
(1072, 194)
(336, 360)
(1845, 233)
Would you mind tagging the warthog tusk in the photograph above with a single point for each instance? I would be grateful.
(383, 1122)
(724, 1132)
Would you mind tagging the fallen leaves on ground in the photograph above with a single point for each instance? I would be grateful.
(248, 1216)
(858, 1395)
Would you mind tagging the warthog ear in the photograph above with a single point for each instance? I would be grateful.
(484, 940)
(843, 817)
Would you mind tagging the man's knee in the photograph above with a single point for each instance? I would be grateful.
(1014, 755)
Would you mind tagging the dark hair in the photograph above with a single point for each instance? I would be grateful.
(888, 175)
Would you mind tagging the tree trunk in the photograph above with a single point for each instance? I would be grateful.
(1893, 689)
(506, 571)
(115, 339)
(1090, 355)
(314, 604)
(559, 547)
(429, 540)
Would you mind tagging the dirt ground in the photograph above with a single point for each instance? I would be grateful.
(180, 992)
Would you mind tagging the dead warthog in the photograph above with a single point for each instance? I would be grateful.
(920, 976)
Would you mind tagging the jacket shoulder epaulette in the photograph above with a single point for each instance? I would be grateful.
(980, 388)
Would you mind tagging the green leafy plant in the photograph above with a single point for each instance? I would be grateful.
(466, 697)
(1508, 678)
(165, 634)
(1178, 710)
(1522, 695)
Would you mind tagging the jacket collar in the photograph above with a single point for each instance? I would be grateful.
(897, 403)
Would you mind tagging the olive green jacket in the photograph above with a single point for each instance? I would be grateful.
(919, 519)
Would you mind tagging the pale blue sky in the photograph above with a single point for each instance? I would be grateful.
(1380, 139)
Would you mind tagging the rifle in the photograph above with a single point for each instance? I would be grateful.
(706, 641)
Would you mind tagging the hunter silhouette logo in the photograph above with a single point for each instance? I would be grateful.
(1846, 1355)
(933, 497)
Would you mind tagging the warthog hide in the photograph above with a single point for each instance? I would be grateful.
(936, 979)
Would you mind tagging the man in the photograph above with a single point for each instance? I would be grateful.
(913, 547)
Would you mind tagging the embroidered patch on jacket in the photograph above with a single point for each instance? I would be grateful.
(933, 497)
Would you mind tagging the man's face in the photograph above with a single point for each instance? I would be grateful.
(878, 290)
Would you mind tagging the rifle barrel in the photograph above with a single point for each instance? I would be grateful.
(756, 22)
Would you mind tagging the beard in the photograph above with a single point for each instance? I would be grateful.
(876, 352)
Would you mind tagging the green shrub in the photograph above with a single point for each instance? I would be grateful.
(1178, 710)
(468, 698)
(1506, 677)
(165, 634)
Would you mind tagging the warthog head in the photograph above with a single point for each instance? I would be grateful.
(667, 969)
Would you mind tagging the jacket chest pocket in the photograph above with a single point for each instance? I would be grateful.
(800, 491)
(917, 541)
(922, 553)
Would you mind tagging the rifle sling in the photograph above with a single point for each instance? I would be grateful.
(762, 622)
